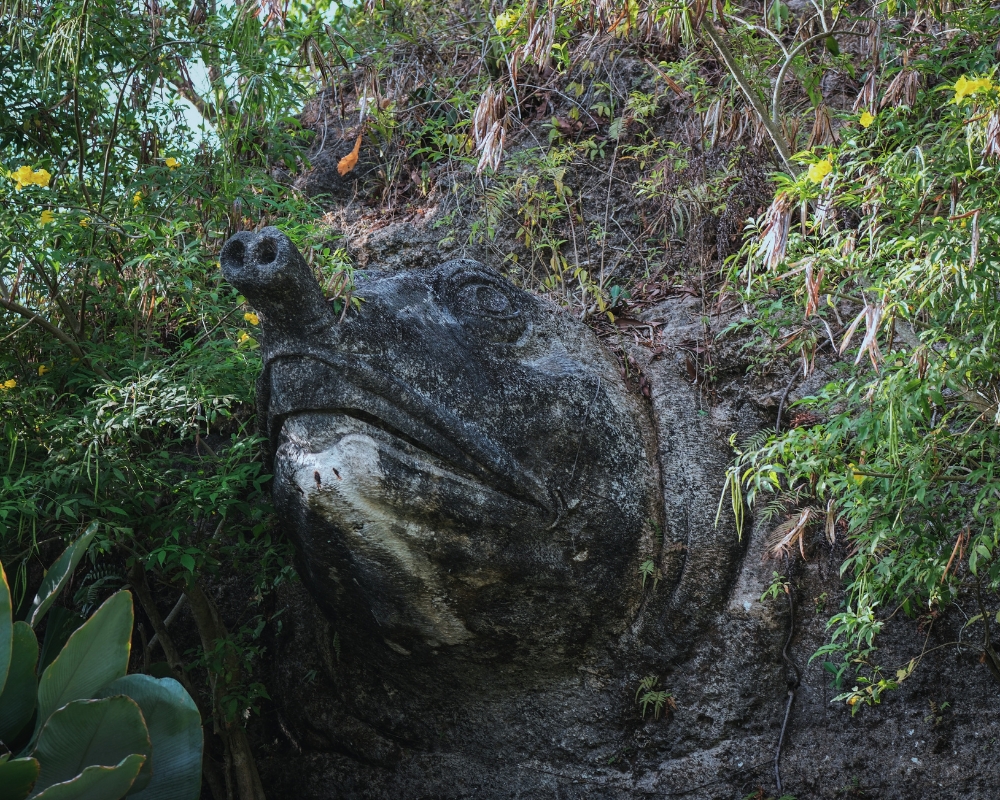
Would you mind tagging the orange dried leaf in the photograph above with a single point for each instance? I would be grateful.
(350, 161)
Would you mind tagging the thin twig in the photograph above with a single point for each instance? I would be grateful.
(792, 685)
(21, 328)
(780, 144)
(169, 618)
(607, 208)
(784, 397)
(776, 97)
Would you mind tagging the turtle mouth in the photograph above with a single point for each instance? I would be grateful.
(397, 417)
(388, 435)
(334, 455)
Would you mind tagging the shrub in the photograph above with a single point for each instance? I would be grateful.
(98, 732)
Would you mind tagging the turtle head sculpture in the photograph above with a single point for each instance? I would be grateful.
(458, 462)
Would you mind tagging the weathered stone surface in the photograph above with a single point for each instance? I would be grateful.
(472, 489)
(462, 470)
(470, 486)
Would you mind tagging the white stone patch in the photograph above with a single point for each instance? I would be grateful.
(372, 528)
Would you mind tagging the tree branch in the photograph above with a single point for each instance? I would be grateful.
(211, 629)
(758, 105)
(57, 332)
(776, 99)
(187, 91)
(137, 578)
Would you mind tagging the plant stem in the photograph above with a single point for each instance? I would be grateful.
(137, 578)
(758, 105)
(211, 629)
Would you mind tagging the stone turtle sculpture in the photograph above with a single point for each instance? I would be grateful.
(472, 489)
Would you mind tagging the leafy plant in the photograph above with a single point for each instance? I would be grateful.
(648, 569)
(135, 139)
(892, 270)
(98, 732)
(648, 695)
(779, 585)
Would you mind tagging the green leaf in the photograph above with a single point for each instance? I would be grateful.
(95, 655)
(17, 778)
(17, 701)
(57, 576)
(6, 627)
(175, 732)
(97, 783)
(62, 622)
(88, 733)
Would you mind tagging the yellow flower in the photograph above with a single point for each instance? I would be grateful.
(42, 369)
(244, 338)
(46, 218)
(965, 87)
(820, 170)
(172, 162)
(8, 384)
(506, 20)
(866, 119)
(252, 318)
(26, 176)
(22, 177)
(136, 198)
(85, 222)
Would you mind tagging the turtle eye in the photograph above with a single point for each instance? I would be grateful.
(485, 299)
(489, 308)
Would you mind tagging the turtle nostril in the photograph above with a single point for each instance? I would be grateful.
(267, 250)
(233, 254)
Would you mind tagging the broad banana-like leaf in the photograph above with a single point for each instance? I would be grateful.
(17, 701)
(6, 627)
(97, 783)
(175, 732)
(88, 733)
(17, 777)
(57, 576)
(95, 655)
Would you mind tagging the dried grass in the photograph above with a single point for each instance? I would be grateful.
(903, 89)
(872, 316)
(783, 539)
(489, 128)
(823, 132)
(992, 147)
(774, 240)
